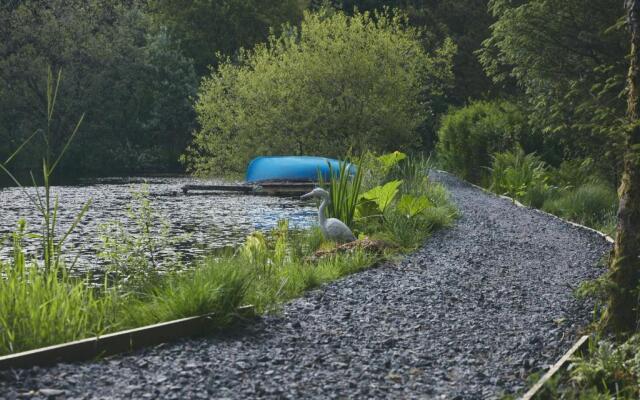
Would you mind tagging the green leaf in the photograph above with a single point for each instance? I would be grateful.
(382, 196)
(413, 205)
(390, 160)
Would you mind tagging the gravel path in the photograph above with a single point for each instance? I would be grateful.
(469, 315)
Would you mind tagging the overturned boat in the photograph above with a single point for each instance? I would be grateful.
(279, 175)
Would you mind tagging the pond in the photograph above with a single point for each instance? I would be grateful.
(213, 221)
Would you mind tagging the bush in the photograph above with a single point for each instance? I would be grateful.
(334, 84)
(591, 204)
(469, 136)
(520, 176)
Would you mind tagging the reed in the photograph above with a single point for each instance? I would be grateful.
(344, 188)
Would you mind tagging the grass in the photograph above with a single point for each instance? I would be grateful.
(43, 307)
(592, 204)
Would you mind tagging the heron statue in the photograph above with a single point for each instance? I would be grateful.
(332, 228)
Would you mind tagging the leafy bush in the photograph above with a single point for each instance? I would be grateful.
(337, 82)
(135, 85)
(573, 173)
(520, 176)
(591, 204)
(470, 135)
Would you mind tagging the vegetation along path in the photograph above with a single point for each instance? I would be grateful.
(469, 315)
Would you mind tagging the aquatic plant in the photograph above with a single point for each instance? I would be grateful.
(344, 189)
(136, 253)
(43, 201)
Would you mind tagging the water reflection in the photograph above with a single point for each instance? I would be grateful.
(214, 221)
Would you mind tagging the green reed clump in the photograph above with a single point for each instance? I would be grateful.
(217, 286)
(41, 307)
(344, 188)
(137, 253)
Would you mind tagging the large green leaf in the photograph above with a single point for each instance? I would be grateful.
(383, 195)
(413, 205)
(388, 161)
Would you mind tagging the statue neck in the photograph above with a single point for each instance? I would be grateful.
(321, 216)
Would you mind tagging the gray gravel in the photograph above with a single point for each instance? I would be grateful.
(469, 315)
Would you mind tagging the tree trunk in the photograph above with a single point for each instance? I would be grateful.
(623, 310)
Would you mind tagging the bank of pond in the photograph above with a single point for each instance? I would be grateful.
(390, 202)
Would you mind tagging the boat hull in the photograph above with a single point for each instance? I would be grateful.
(291, 169)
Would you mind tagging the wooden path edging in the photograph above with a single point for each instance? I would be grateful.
(109, 344)
(531, 393)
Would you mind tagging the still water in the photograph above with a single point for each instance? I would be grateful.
(212, 221)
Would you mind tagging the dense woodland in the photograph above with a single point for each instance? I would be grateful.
(137, 68)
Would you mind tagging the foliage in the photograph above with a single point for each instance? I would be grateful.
(285, 97)
(466, 22)
(405, 206)
(41, 307)
(591, 204)
(573, 173)
(570, 59)
(344, 189)
(608, 370)
(45, 204)
(520, 176)
(411, 206)
(206, 28)
(134, 85)
(136, 253)
(469, 136)
(380, 197)
(217, 286)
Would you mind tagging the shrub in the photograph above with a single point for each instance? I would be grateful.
(470, 135)
(520, 176)
(591, 204)
(337, 82)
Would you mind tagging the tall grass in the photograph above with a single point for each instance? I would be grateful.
(39, 308)
(43, 201)
(591, 204)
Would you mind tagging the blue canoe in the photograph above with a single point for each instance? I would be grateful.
(291, 168)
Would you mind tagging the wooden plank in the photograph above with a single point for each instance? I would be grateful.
(531, 393)
(263, 188)
(226, 188)
(110, 344)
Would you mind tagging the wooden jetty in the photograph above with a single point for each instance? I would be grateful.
(274, 188)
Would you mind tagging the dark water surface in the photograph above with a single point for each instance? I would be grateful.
(213, 221)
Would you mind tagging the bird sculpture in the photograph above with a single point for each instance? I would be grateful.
(332, 228)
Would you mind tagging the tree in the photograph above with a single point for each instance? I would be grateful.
(568, 57)
(334, 84)
(133, 85)
(208, 27)
(623, 313)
